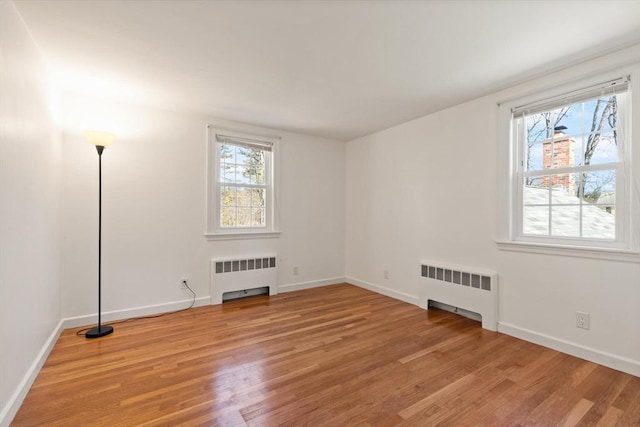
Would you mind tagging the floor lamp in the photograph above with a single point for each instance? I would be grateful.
(100, 140)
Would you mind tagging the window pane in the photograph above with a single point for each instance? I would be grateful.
(227, 172)
(253, 165)
(603, 148)
(534, 156)
(228, 217)
(228, 196)
(258, 197)
(242, 175)
(565, 221)
(580, 143)
(564, 188)
(227, 153)
(537, 127)
(258, 176)
(601, 113)
(244, 196)
(559, 152)
(258, 217)
(568, 120)
(599, 222)
(594, 124)
(244, 217)
(536, 220)
(535, 193)
(600, 186)
(241, 158)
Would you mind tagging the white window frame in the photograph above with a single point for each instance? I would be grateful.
(217, 136)
(626, 246)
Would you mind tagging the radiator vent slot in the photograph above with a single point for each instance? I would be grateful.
(244, 264)
(229, 296)
(457, 277)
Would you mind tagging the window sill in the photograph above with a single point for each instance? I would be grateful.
(620, 255)
(243, 235)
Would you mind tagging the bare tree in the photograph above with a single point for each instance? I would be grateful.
(255, 172)
(609, 114)
(606, 111)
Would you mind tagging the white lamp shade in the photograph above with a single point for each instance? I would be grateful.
(99, 138)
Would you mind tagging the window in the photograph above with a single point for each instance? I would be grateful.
(241, 188)
(571, 177)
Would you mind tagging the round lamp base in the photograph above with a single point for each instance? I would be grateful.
(99, 331)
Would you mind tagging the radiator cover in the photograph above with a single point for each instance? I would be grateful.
(468, 288)
(240, 273)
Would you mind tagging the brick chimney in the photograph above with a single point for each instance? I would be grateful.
(563, 155)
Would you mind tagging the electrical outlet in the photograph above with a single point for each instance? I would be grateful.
(582, 320)
(386, 274)
(184, 282)
(296, 270)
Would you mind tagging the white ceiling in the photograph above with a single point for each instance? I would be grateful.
(338, 69)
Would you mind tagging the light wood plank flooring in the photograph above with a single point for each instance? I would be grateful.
(332, 356)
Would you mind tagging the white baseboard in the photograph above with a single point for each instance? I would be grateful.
(290, 287)
(147, 310)
(411, 299)
(606, 359)
(9, 411)
(15, 401)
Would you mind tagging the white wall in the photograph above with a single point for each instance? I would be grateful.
(428, 189)
(154, 208)
(29, 211)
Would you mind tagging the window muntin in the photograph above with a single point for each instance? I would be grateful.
(569, 166)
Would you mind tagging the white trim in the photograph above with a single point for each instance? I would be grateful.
(623, 364)
(15, 401)
(408, 298)
(290, 287)
(620, 255)
(127, 313)
(506, 159)
(607, 359)
(243, 236)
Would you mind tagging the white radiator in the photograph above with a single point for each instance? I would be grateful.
(467, 288)
(241, 273)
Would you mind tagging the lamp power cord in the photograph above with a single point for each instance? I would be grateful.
(82, 332)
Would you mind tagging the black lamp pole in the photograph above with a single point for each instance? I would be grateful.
(100, 330)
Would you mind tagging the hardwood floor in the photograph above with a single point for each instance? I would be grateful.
(331, 356)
